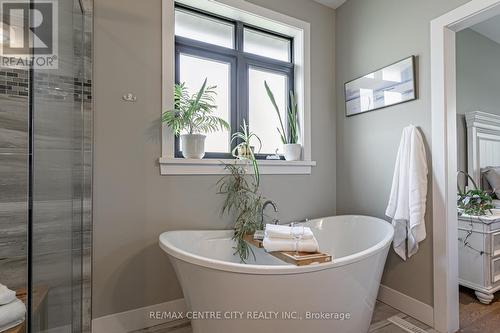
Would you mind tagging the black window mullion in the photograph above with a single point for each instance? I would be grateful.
(239, 110)
(239, 36)
(240, 63)
(202, 46)
(233, 113)
(242, 91)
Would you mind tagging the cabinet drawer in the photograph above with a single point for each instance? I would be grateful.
(495, 244)
(495, 270)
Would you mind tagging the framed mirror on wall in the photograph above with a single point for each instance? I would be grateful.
(391, 85)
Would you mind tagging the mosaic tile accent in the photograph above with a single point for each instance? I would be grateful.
(15, 82)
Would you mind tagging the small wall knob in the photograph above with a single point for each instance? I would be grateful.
(129, 97)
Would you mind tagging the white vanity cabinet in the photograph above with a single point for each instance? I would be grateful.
(479, 261)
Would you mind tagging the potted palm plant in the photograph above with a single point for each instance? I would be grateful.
(192, 117)
(292, 149)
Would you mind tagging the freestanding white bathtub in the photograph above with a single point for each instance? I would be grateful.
(268, 295)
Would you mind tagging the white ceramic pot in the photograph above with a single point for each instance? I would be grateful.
(193, 145)
(292, 151)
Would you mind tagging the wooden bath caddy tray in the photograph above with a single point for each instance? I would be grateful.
(300, 259)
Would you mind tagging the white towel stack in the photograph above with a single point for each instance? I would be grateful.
(282, 238)
(12, 310)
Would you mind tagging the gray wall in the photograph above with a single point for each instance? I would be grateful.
(478, 82)
(133, 204)
(370, 35)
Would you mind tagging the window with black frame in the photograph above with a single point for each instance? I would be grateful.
(237, 58)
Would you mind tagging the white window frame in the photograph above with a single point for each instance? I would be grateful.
(256, 16)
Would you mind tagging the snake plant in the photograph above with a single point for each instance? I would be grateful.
(292, 136)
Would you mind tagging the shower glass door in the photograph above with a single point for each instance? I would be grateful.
(60, 182)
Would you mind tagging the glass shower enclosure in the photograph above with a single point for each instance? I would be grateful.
(60, 220)
(46, 172)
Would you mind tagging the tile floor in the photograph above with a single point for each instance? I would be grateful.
(474, 318)
(181, 326)
(380, 324)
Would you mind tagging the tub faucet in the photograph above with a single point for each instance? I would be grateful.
(267, 203)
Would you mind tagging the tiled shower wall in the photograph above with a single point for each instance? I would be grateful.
(61, 98)
(14, 110)
(14, 122)
(87, 167)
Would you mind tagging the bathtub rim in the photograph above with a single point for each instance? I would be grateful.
(221, 265)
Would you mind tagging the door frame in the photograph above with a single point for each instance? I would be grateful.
(444, 155)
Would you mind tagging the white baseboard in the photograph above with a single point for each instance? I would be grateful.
(407, 305)
(137, 318)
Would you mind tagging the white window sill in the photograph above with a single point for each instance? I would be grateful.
(181, 166)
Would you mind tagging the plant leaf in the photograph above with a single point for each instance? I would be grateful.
(273, 102)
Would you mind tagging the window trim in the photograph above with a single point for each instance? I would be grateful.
(253, 16)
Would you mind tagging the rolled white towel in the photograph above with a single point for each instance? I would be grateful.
(6, 295)
(281, 244)
(12, 314)
(11, 325)
(286, 232)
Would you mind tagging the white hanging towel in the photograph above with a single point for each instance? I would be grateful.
(408, 197)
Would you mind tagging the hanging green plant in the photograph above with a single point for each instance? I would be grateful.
(243, 200)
